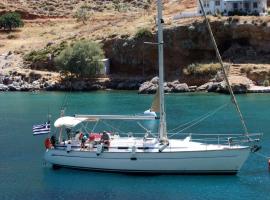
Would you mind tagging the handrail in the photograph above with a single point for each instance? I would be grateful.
(203, 134)
(218, 134)
(215, 139)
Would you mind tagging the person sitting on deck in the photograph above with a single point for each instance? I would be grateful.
(53, 140)
(68, 131)
(105, 139)
(78, 136)
(84, 138)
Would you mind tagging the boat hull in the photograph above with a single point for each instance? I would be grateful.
(228, 161)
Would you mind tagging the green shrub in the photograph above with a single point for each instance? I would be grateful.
(11, 20)
(143, 32)
(120, 6)
(202, 69)
(116, 5)
(82, 14)
(82, 58)
(37, 55)
(42, 54)
(44, 58)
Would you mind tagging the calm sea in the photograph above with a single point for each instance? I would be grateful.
(24, 175)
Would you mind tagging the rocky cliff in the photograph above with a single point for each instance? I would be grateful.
(240, 40)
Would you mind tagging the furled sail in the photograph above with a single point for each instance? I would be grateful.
(155, 103)
(154, 107)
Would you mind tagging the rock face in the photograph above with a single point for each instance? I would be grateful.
(205, 87)
(150, 87)
(3, 87)
(15, 82)
(180, 87)
(185, 45)
(19, 83)
(239, 85)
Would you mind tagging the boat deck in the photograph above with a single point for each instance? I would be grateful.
(129, 144)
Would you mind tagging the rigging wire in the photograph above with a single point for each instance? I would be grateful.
(224, 71)
(142, 126)
(117, 129)
(93, 129)
(66, 99)
(200, 120)
(196, 119)
(148, 131)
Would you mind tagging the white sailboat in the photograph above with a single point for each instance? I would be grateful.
(149, 154)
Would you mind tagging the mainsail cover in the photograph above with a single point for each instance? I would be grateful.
(155, 103)
(68, 121)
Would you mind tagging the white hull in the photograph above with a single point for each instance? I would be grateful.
(216, 161)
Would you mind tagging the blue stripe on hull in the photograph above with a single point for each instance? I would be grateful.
(145, 172)
(148, 158)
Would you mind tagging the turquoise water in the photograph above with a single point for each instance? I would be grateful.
(23, 174)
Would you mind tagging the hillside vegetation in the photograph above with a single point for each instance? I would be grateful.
(122, 26)
(106, 20)
(66, 8)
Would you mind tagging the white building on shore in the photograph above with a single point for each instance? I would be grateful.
(232, 7)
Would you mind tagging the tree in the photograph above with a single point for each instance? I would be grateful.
(11, 20)
(82, 58)
(82, 14)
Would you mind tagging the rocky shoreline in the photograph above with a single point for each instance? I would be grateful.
(25, 84)
(150, 87)
(36, 83)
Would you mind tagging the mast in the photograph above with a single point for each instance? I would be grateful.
(162, 124)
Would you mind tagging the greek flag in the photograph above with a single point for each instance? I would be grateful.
(42, 128)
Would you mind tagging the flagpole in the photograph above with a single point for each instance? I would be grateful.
(61, 129)
(49, 121)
